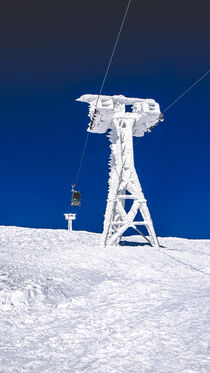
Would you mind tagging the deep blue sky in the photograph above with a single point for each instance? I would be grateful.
(54, 51)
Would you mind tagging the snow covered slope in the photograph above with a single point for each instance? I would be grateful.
(67, 305)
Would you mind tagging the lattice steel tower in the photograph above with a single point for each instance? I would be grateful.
(109, 113)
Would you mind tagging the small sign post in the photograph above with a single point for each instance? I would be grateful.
(69, 218)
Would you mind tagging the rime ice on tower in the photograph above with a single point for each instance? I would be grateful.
(109, 113)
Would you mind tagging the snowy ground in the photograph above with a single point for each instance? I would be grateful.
(66, 305)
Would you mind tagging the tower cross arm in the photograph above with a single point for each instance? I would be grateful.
(145, 113)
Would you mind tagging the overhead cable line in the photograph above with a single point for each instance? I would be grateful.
(81, 160)
(182, 95)
(113, 52)
(187, 90)
(102, 85)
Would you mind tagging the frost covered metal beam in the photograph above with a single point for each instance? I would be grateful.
(108, 113)
(145, 112)
(132, 223)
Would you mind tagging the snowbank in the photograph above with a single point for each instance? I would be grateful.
(69, 306)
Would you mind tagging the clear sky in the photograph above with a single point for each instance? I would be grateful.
(54, 51)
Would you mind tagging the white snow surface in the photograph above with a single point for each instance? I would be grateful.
(67, 305)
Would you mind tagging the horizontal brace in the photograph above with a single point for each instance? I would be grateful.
(140, 222)
(130, 196)
(129, 223)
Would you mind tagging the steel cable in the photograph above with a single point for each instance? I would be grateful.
(102, 85)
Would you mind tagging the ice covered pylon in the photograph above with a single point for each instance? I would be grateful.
(109, 113)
